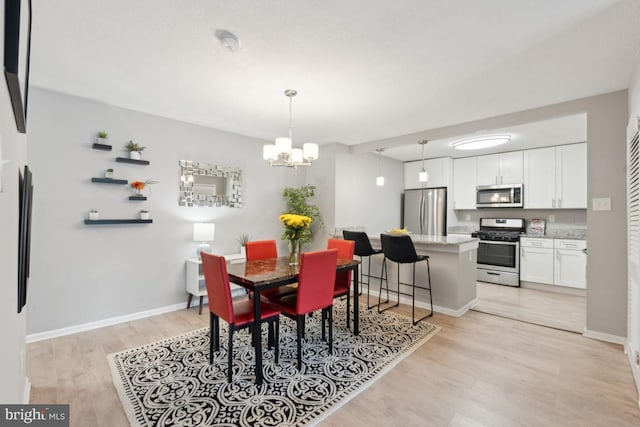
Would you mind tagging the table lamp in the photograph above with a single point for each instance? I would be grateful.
(203, 232)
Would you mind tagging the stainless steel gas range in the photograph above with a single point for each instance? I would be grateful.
(499, 250)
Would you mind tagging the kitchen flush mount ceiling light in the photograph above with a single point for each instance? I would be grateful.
(380, 178)
(282, 153)
(423, 176)
(229, 40)
(480, 142)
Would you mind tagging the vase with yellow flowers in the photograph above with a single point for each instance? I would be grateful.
(296, 228)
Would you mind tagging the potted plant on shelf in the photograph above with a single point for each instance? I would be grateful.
(144, 214)
(134, 149)
(243, 239)
(140, 185)
(102, 137)
(94, 215)
(108, 173)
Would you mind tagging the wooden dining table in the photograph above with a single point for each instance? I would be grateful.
(259, 275)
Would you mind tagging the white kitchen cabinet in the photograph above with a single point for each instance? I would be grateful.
(439, 170)
(571, 176)
(503, 168)
(556, 177)
(464, 183)
(536, 260)
(570, 263)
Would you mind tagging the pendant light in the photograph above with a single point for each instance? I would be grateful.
(423, 176)
(380, 178)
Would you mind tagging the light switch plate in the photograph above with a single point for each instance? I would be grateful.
(552, 218)
(601, 204)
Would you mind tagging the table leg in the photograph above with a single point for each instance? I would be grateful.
(257, 335)
(356, 303)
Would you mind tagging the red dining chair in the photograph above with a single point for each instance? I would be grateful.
(316, 281)
(265, 249)
(343, 279)
(237, 313)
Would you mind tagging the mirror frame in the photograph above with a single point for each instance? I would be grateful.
(189, 170)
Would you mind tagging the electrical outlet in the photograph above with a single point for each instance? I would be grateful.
(637, 357)
(552, 218)
(22, 372)
(467, 217)
(601, 204)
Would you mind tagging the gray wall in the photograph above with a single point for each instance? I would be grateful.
(86, 273)
(13, 148)
(606, 158)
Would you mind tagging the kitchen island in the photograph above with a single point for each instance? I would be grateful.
(453, 273)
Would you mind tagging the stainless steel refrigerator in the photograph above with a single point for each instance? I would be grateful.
(424, 211)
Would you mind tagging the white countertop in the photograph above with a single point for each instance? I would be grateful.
(437, 243)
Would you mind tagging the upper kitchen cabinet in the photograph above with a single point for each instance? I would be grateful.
(464, 183)
(439, 170)
(556, 177)
(503, 168)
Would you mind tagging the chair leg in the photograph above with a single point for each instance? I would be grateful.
(324, 318)
(277, 337)
(270, 336)
(200, 309)
(330, 310)
(230, 355)
(300, 321)
(213, 336)
(413, 296)
(348, 306)
(386, 273)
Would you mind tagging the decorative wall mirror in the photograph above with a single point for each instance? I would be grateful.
(203, 184)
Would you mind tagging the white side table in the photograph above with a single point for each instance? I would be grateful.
(195, 284)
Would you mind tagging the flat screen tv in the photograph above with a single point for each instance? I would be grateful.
(24, 235)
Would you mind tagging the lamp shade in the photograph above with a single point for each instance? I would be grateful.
(283, 145)
(269, 152)
(204, 232)
(296, 155)
(380, 181)
(423, 176)
(310, 151)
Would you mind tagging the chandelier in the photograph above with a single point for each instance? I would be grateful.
(282, 153)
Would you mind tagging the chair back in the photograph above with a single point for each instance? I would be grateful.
(363, 245)
(316, 280)
(345, 250)
(398, 248)
(261, 249)
(218, 289)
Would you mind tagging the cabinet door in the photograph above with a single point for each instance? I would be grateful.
(464, 183)
(571, 176)
(488, 169)
(536, 265)
(511, 168)
(440, 171)
(411, 171)
(570, 268)
(539, 178)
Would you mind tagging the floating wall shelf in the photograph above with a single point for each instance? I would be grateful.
(98, 146)
(134, 161)
(117, 221)
(109, 180)
(137, 198)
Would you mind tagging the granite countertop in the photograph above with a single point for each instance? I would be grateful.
(438, 240)
(569, 234)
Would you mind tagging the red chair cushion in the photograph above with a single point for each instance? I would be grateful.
(243, 312)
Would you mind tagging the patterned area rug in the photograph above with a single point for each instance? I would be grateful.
(171, 382)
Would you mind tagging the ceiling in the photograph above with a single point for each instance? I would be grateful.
(364, 69)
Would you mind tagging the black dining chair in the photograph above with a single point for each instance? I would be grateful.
(401, 250)
(363, 249)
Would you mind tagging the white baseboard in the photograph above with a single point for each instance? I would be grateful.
(601, 336)
(635, 369)
(26, 394)
(436, 308)
(102, 323)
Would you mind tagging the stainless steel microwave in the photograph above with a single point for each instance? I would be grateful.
(499, 196)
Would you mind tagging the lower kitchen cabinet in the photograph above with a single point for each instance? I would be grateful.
(553, 261)
(570, 265)
(536, 260)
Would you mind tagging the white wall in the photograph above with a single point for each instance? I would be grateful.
(13, 147)
(359, 201)
(86, 273)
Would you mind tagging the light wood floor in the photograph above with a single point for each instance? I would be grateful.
(557, 310)
(480, 370)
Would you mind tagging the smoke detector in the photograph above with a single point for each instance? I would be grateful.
(229, 40)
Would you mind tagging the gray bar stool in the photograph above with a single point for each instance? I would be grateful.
(401, 250)
(363, 249)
